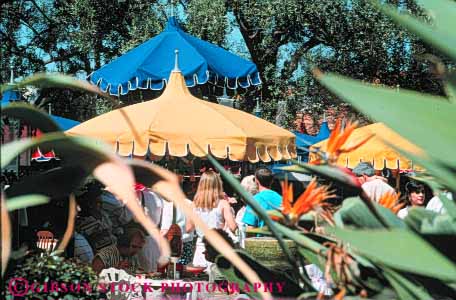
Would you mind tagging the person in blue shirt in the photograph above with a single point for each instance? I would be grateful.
(267, 198)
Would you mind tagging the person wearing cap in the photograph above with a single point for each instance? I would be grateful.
(374, 186)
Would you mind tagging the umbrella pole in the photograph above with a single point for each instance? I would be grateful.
(398, 180)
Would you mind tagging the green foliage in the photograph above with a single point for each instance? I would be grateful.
(392, 248)
(52, 268)
(207, 20)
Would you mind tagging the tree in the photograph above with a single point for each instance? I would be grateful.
(284, 38)
(348, 37)
(75, 37)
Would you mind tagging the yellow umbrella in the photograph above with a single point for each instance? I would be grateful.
(375, 151)
(179, 123)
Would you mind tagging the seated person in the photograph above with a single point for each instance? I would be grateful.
(92, 222)
(374, 186)
(123, 255)
(82, 249)
(210, 254)
(267, 198)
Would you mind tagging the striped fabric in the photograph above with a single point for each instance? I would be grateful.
(110, 256)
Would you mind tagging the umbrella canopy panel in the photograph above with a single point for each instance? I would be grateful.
(64, 123)
(377, 150)
(9, 96)
(305, 140)
(148, 65)
(178, 123)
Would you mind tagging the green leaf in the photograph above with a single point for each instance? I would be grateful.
(450, 87)
(25, 201)
(329, 172)
(428, 114)
(301, 239)
(312, 258)
(262, 231)
(30, 115)
(44, 80)
(404, 288)
(440, 36)
(442, 12)
(449, 205)
(355, 213)
(394, 248)
(416, 217)
(442, 224)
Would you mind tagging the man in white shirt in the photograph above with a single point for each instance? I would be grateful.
(153, 207)
(374, 186)
(187, 237)
(436, 205)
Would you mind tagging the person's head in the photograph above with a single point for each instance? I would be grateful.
(264, 177)
(131, 242)
(249, 184)
(415, 193)
(210, 253)
(90, 201)
(364, 171)
(210, 190)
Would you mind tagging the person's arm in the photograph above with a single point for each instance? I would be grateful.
(189, 226)
(167, 217)
(228, 215)
(97, 265)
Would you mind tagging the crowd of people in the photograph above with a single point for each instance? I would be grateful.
(107, 235)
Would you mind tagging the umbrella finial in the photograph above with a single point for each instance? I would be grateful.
(176, 61)
(11, 74)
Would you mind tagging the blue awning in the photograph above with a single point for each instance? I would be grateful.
(148, 65)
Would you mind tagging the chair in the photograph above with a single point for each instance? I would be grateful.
(46, 241)
(117, 277)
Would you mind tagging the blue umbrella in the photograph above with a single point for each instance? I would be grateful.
(10, 95)
(148, 65)
(64, 123)
(305, 140)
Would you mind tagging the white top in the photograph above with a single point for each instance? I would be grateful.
(213, 218)
(167, 220)
(436, 205)
(149, 254)
(376, 188)
(403, 212)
